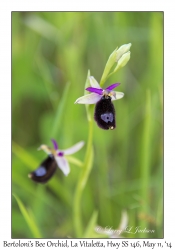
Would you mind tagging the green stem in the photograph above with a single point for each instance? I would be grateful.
(82, 183)
(145, 160)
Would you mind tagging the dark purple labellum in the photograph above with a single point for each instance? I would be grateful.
(105, 113)
(45, 170)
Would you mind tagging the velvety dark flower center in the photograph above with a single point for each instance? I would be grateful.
(105, 113)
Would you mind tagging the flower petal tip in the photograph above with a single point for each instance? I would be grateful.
(91, 98)
(121, 95)
(94, 83)
(55, 145)
(113, 86)
(74, 148)
(76, 101)
(82, 143)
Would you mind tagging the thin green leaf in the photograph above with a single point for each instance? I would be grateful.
(89, 232)
(29, 218)
(74, 160)
(88, 107)
(43, 27)
(23, 155)
(60, 110)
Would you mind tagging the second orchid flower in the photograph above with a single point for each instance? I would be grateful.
(55, 159)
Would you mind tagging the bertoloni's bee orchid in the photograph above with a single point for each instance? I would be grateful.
(104, 110)
(55, 159)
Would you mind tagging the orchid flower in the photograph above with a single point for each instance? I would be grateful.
(55, 159)
(104, 110)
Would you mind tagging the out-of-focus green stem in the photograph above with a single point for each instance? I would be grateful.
(145, 159)
(31, 222)
(82, 182)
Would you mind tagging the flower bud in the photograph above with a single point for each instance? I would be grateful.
(122, 50)
(122, 61)
(120, 56)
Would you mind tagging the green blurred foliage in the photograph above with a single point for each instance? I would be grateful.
(52, 51)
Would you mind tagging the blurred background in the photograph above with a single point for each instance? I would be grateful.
(51, 55)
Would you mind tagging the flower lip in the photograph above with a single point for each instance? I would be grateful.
(105, 113)
(45, 171)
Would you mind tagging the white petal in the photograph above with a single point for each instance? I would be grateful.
(94, 83)
(63, 164)
(117, 95)
(74, 148)
(89, 99)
